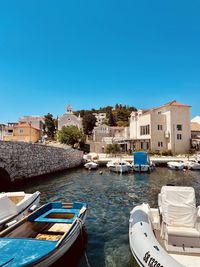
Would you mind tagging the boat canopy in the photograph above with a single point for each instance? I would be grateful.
(178, 206)
(22, 252)
(140, 158)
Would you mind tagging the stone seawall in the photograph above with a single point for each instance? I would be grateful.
(24, 160)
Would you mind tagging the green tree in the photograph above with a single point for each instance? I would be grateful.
(71, 135)
(111, 119)
(89, 122)
(49, 126)
(112, 148)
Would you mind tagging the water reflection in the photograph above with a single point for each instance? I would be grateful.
(110, 198)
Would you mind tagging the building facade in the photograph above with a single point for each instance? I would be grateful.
(100, 118)
(2, 131)
(165, 128)
(196, 119)
(37, 122)
(104, 135)
(195, 135)
(23, 132)
(69, 119)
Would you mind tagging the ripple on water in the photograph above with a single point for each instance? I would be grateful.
(110, 198)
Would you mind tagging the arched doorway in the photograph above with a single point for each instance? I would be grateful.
(4, 179)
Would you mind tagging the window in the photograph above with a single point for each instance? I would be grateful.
(179, 136)
(144, 130)
(148, 146)
(160, 144)
(160, 127)
(179, 127)
(141, 145)
(21, 130)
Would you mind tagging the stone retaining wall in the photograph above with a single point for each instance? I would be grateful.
(23, 160)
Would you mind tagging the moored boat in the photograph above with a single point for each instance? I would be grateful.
(169, 234)
(119, 166)
(141, 162)
(91, 165)
(15, 205)
(176, 165)
(41, 238)
(192, 165)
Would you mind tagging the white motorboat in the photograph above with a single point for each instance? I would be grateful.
(197, 158)
(141, 162)
(168, 235)
(15, 205)
(119, 166)
(192, 165)
(91, 165)
(176, 165)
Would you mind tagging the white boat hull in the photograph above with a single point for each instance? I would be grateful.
(141, 168)
(176, 165)
(119, 168)
(91, 165)
(21, 209)
(144, 246)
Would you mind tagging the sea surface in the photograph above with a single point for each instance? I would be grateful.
(110, 198)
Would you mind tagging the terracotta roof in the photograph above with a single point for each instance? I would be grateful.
(173, 103)
(24, 125)
(194, 126)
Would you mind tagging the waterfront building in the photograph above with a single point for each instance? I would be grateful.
(196, 119)
(22, 132)
(164, 128)
(104, 135)
(100, 118)
(36, 121)
(69, 119)
(195, 135)
(2, 131)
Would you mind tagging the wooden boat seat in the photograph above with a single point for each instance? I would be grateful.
(60, 227)
(49, 236)
(55, 232)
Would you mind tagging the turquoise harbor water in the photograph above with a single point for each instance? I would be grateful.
(110, 198)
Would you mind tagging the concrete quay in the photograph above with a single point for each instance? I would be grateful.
(161, 161)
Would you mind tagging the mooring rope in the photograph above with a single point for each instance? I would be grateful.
(82, 238)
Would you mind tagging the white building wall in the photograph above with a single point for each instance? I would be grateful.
(180, 115)
(158, 140)
(169, 117)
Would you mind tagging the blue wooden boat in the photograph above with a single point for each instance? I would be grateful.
(41, 238)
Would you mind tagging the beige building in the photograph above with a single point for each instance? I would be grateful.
(69, 119)
(195, 135)
(36, 121)
(22, 132)
(2, 131)
(162, 129)
(104, 135)
(100, 118)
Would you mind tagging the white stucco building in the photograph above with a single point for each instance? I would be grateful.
(100, 118)
(163, 128)
(69, 119)
(196, 119)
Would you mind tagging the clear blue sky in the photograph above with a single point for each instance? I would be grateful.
(97, 53)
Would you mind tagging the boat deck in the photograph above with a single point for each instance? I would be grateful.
(189, 259)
